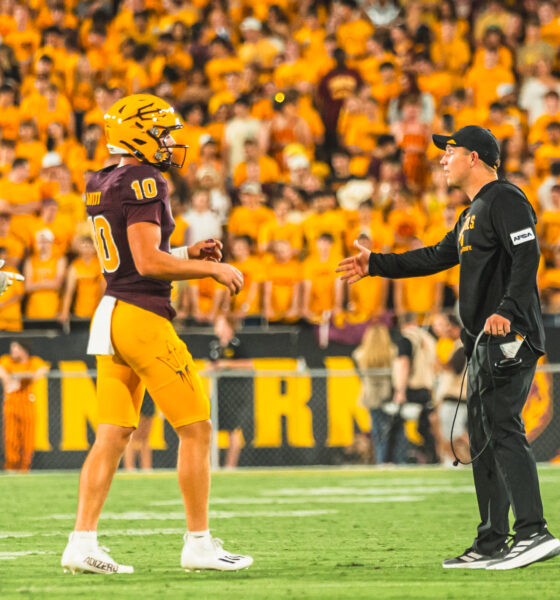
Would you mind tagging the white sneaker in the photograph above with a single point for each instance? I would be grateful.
(208, 553)
(80, 557)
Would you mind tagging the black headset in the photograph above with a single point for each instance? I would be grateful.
(504, 365)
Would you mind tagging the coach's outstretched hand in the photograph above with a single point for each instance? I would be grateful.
(7, 278)
(207, 250)
(355, 267)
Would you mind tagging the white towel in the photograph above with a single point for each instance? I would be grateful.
(100, 331)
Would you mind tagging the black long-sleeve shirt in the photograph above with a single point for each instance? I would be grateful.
(495, 242)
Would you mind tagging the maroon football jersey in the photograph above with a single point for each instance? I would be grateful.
(117, 197)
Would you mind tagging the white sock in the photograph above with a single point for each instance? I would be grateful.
(85, 538)
(199, 535)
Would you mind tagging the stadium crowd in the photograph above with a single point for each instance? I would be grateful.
(308, 125)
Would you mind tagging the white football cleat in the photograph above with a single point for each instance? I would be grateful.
(90, 558)
(207, 553)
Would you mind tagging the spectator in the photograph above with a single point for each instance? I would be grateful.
(376, 352)
(237, 130)
(11, 299)
(419, 295)
(228, 354)
(280, 228)
(281, 294)
(13, 246)
(413, 380)
(320, 285)
(447, 396)
(44, 273)
(248, 302)
(203, 222)
(248, 218)
(337, 85)
(266, 168)
(549, 226)
(549, 284)
(84, 284)
(19, 407)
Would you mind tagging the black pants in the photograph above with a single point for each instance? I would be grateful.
(505, 474)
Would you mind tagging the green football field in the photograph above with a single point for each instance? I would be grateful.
(341, 534)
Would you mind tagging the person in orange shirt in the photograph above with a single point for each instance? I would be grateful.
(450, 51)
(482, 82)
(370, 224)
(30, 147)
(256, 48)
(537, 131)
(291, 67)
(223, 61)
(419, 295)
(406, 220)
(25, 39)
(61, 227)
(388, 86)
(431, 81)
(549, 152)
(325, 218)
(352, 31)
(44, 276)
(311, 36)
(283, 276)
(23, 197)
(12, 296)
(494, 40)
(19, 410)
(248, 218)
(280, 228)
(268, 170)
(207, 299)
(56, 109)
(413, 137)
(84, 283)
(498, 123)
(286, 127)
(12, 244)
(7, 155)
(320, 286)
(9, 113)
(549, 284)
(549, 225)
(103, 101)
(248, 301)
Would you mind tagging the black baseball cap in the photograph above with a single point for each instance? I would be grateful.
(474, 138)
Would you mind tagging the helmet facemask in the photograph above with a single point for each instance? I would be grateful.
(167, 156)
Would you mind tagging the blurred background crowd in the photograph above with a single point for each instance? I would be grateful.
(308, 125)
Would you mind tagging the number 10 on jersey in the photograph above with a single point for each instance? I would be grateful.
(104, 242)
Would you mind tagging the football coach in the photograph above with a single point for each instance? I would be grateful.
(495, 243)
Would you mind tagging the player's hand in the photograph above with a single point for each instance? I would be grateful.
(497, 325)
(207, 250)
(229, 276)
(355, 267)
(7, 278)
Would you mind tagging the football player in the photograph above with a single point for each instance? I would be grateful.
(132, 336)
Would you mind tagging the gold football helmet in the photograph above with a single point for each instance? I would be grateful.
(140, 125)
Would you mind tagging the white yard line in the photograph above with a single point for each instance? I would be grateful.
(14, 555)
